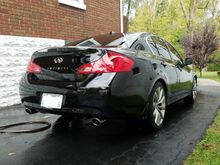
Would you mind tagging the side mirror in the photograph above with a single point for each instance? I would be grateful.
(188, 61)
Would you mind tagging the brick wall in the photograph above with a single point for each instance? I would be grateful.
(50, 19)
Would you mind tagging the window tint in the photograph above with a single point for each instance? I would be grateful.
(140, 44)
(174, 54)
(161, 47)
(139, 47)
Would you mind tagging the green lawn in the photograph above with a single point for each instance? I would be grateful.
(210, 75)
(207, 151)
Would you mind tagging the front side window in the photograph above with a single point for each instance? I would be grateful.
(174, 54)
(74, 3)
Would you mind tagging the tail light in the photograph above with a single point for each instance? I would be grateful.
(110, 62)
(33, 68)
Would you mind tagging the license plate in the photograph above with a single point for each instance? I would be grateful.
(50, 100)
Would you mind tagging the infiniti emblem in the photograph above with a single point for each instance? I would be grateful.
(58, 60)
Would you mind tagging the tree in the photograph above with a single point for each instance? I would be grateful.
(130, 6)
(174, 19)
(201, 45)
(127, 7)
(161, 17)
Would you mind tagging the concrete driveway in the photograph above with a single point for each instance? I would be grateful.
(116, 142)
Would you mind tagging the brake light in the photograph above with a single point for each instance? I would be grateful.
(110, 62)
(33, 68)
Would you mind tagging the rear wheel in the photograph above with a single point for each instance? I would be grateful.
(157, 106)
(192, 97)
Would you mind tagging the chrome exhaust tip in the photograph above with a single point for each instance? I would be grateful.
(30, 111)
(97, 122)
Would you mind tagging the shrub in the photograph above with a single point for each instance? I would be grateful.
(213, 67)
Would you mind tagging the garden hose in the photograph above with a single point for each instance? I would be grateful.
(4, 128)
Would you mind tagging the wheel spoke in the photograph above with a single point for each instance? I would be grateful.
(161, 114)
(194, 90)
(160, 94)
(162, 99)
(156, 115)
(156, 95)
(161, 108)
(155, 112)
(159, 120)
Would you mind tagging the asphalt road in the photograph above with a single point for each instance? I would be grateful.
(116, 142)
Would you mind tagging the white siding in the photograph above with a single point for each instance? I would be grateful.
(15, 53)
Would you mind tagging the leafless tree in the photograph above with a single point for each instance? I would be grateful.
(201, 46)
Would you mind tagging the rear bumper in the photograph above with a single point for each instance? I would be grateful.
(91, 102)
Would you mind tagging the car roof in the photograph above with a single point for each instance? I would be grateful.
(110, 39)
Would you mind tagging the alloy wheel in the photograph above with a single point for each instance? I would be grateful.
(159, 105)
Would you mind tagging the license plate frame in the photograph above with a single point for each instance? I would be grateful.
(52, 101)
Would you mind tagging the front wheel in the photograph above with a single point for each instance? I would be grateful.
(157, 106)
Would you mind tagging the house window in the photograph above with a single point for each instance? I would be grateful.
(74, 3)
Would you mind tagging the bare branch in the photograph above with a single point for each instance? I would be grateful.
(184, 13)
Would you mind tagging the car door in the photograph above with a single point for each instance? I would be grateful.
(168, 68)
(184, 73)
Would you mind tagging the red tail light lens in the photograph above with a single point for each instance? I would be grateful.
(110, 62)
(33, 68)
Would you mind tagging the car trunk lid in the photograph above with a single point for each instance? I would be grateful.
(59, 65)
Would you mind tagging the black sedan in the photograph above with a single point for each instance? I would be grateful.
(112, 76)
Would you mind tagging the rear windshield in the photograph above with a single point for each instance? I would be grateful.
(108, 40)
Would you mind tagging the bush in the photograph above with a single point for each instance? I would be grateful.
(213, 67)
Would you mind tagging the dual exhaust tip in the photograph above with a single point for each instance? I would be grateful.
(94, 121)
(30, 111)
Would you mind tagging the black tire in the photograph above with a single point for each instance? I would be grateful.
(154, 110)
(192, 97)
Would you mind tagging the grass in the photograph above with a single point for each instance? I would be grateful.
(207, 151)
(210, 75)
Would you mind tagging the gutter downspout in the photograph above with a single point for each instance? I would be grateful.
(121, 16)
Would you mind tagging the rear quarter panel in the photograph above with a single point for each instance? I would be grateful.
(130, 90)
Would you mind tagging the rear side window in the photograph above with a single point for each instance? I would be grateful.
(161, 47)
(140, 44)
(139, 47)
